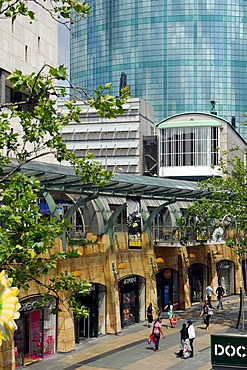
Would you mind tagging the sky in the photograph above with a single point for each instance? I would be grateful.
(63, 46)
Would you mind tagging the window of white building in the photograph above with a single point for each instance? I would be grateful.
(189, 146)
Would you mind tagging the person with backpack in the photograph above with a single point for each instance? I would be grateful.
(220, 292)
(150, 311)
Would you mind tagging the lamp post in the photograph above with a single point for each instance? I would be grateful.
(227, 220)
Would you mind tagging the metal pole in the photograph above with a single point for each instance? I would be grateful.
(244, 291)
(240, 308)
(243, 311)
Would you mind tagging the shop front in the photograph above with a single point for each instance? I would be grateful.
(95, 323)
(132, 299)
(35, 337)
(198, 278)
(226, 276)
(167, 287)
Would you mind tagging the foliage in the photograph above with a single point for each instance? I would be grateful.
(225, 204)
(81, 242)
(41, 125)
(66, 9)
(26, 237)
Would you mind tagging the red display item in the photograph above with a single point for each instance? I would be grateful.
(174, 320)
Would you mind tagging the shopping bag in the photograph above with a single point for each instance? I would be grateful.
(174, 320)
(151, 339)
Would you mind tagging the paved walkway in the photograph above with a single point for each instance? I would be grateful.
(130, 351)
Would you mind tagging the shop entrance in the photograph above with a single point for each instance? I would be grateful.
(198, 278)
(167, 287)
(226, 276)
(132, 300)
(35, 337)
(95, 324)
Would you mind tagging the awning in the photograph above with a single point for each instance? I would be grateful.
(55, 178)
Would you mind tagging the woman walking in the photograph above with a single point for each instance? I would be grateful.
(183, 336)
(157, 330)
(207, 311)
(170, 315)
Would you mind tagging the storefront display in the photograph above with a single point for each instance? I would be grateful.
(95, 323)
(198, 278)
(35, 337)
(167, 287)
(226, 276)
(131, 292)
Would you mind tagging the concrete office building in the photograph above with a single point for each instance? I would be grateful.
(26, 46)
(117, 143)
(177, 55)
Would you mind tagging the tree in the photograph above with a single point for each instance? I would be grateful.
(224, 204)
(26, 238)
(65, 11)
(223, 211)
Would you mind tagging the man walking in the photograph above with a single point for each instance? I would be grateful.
(209, 292)
(191, 335)
(220, 292)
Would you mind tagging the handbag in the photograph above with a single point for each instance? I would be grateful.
(174, 320)
(151, 338)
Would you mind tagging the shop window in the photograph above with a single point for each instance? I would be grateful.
(226, 275)
(35, 337)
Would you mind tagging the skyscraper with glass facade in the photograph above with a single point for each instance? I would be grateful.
(178, 55)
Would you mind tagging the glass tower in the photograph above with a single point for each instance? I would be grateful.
(178, 55)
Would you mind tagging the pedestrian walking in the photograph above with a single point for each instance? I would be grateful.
(183, 336)
(208, 312)
(209, 292)
(191, 335)
(170, 313)
(157, 331)
(150, 311)
(220, 292)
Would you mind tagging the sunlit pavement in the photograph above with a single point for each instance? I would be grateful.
(130, 350)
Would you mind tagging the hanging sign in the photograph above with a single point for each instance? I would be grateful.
(168, 274)
(134, 222)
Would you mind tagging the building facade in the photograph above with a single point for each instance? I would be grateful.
(191, 145)
(129, 262)
(26, 46)
(178, 55)
(116, 143)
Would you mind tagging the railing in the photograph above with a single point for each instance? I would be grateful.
(173, 235)
(166, 234)
(75, 233)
